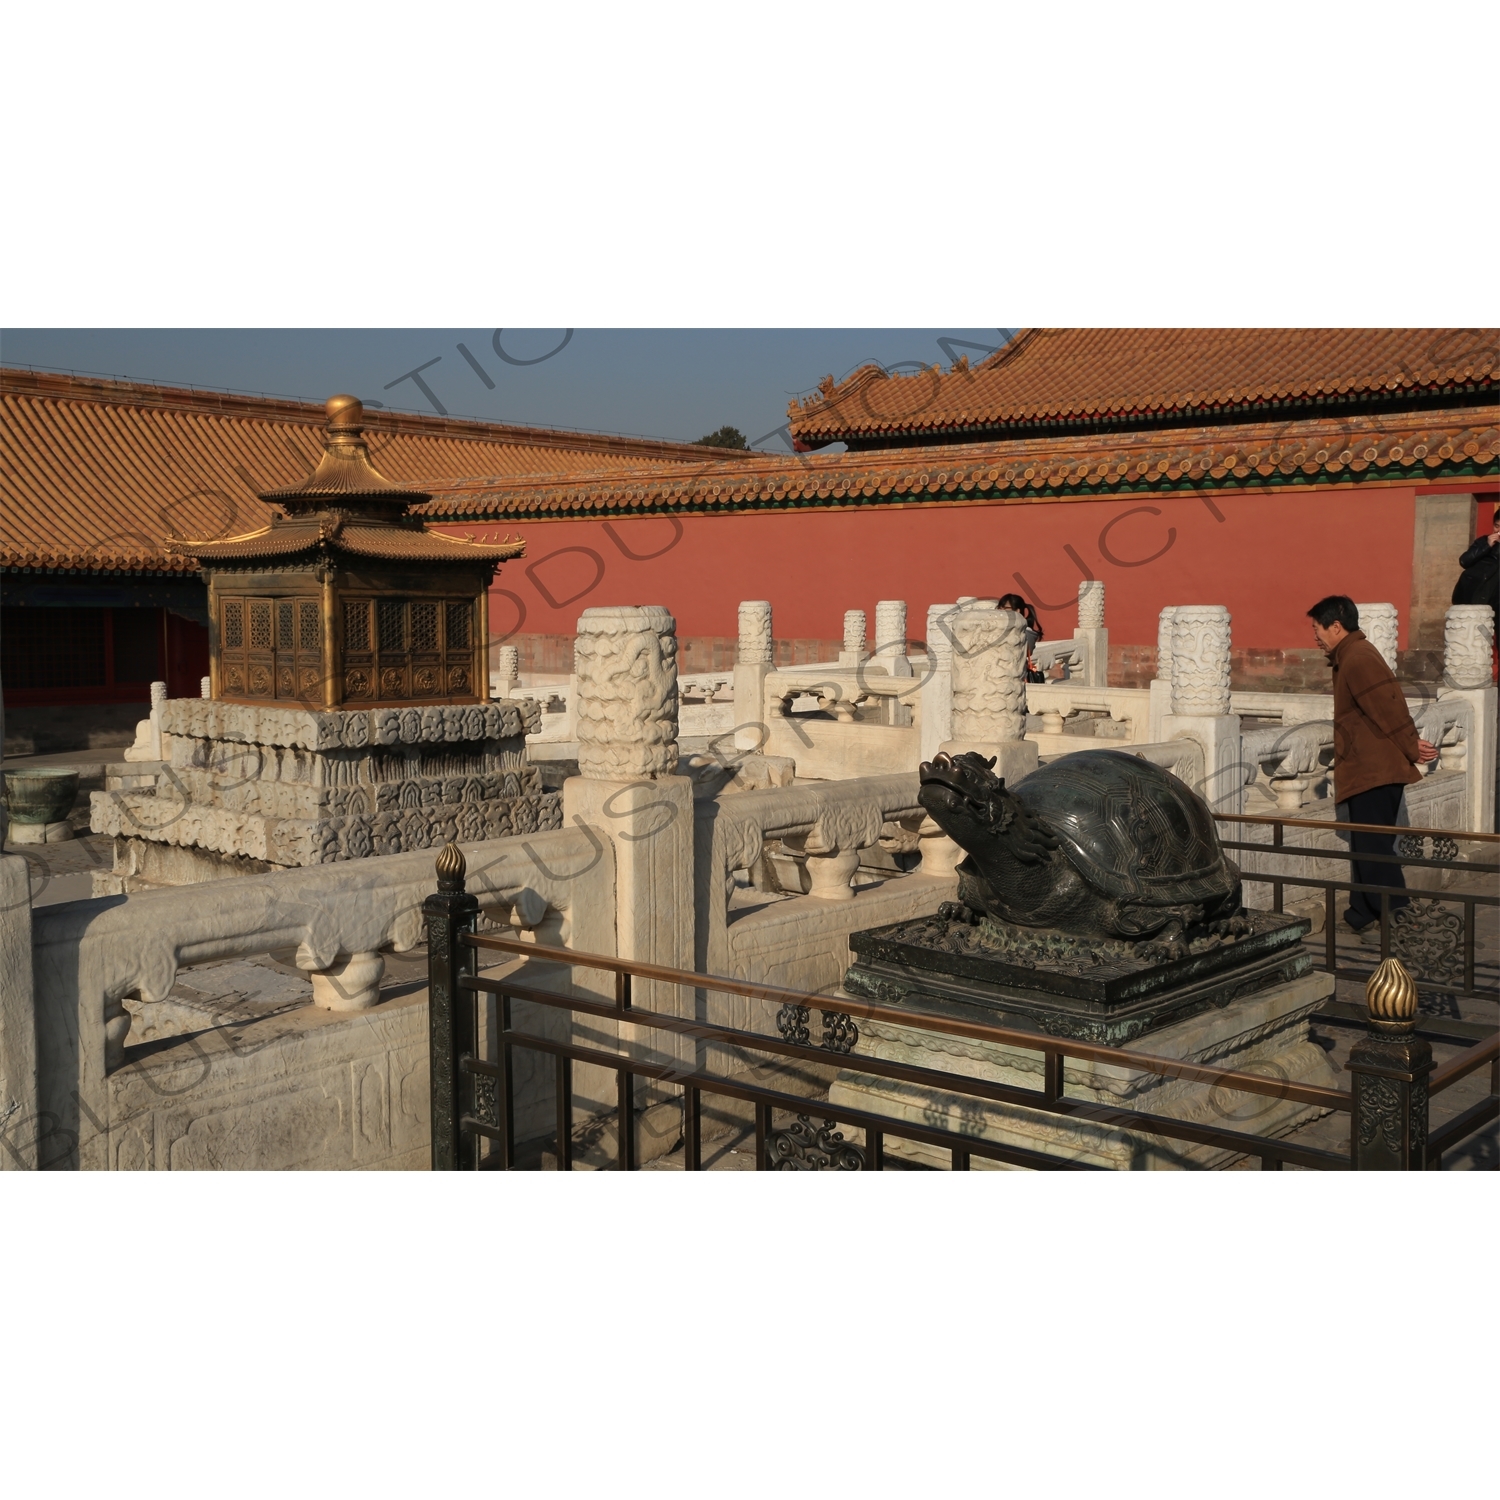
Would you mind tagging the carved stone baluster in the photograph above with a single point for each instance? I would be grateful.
(890, 637)
(1092, 633)
(935, 698)
(1200, 702)
(754, 660)
(1161, 685)
(1468, 643)
(1381, 627)
(854, 638)
(989, 691)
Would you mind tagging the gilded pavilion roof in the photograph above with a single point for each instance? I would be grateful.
(1061, 378)
(346, 505)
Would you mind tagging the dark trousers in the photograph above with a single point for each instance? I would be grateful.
(1381, 804)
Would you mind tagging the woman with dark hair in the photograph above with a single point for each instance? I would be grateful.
(1034, 633)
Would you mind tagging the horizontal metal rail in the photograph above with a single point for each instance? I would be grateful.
(1140, 1062)
(1323, 823)
(1313, 851)
(1459, 1128)
(1049, 1098)
(714, 1083)
(1460, 1067)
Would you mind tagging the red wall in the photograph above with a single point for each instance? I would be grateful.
(1268, 557)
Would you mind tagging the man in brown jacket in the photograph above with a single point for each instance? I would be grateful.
(1376, 751)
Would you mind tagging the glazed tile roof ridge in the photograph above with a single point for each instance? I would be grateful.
(41, 560)
(1059, 375)
(1416, 447)
(187, 398)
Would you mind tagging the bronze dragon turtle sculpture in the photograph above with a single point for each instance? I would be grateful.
(1099, 844)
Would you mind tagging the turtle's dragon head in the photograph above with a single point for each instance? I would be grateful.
(973, 807)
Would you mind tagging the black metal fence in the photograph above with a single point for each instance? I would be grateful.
(1434, 934)
(473, 1097)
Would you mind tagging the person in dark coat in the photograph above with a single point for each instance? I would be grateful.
(1480, 582)
(1034, 633)
(1376, 751)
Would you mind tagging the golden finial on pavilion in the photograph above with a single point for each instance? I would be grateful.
(344, 411)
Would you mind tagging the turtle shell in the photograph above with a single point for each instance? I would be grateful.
(1131, 829)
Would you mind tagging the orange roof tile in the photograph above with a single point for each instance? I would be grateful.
(1060, 377)
(1411, 447)
(96, 474)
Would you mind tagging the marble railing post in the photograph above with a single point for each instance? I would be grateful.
(628, 792)
(753, 661)
(936, 693)
(1091, 629)
(1468, 644)
(507, 670)
(989, 690)
(1161, 684)
(890, 637)
(854, 638)
(22, 1127)
(1381, 627)
(158, 699)
(1200, 702)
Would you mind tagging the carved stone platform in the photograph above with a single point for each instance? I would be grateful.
(1266, 1034)
(291, 787)
(1096, 990)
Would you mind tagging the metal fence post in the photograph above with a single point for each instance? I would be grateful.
(1388, 1131)
(451, 1013)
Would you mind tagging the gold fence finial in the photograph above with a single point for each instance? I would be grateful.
(451, 867)
(1391, 998)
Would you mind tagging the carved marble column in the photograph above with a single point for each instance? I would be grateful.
(1468, 644)
(753, 660)
(1200, 702)
(507, 669)
(1091, 630)
(890, 637)
(936, 694)
(1161, 684)
(989, 691)
(1091, 605)
(628, 793)
(1468, 634)
(1381, 628)
(625, 659)
(1200, 659)
(854, 638)
(159, 742)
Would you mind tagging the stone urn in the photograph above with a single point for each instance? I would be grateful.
(38, 797)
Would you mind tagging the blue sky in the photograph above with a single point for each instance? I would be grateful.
(667, 383)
